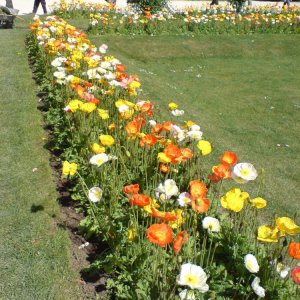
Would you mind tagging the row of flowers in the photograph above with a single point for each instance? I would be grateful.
(172, 228)
(195, 22)
(219, 19)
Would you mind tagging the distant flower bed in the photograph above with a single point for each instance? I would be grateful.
(172, 230)
(208, 19)
(216, 20)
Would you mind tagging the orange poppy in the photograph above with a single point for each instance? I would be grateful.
(149, 140)
(160, 234)
(121, 76)
(164, 168)
(112, 126)
(229, 158)
(120, 68)
(139, 119)
(147, 108)
(198, 189)
(131, 188)
(173, 152)
(294, 250)
(139, 200)
(167, 126)
(162, 215)
(88, 84)
(180, 239)
(79, 89)
(186, 153)
(200, 205)
(219, 172)
(157, 128)
(132, 128)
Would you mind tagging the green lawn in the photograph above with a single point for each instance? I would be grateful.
(242, 89)
(34, 252)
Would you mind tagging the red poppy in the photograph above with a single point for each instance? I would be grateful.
(294, 250)
(296, 275)
(131, 188)
(160, 234)
(198, 189)
(139, 199)
(229, 158)
(180, 239)
(200, 205)
(88, 84)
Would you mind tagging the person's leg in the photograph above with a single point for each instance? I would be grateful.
(9, 4)
(43, 2)
(36, 6)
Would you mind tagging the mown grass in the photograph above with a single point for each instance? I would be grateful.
(34, 252)
(243, 90)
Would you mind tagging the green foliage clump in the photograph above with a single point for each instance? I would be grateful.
(153, 5)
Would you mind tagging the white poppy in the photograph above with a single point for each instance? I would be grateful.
(194, 277)
(211, 224)
(195, 127)
(123, 108)
(168, 189)
(177, 112)
(251, 263)
(258, 290)
(187, 295)
(103, 48)
(282, 270)
(95, 194)
(244, 172)
(152, 123)
(99, 159)
(195, 134)
(93, 74)
(184, 199)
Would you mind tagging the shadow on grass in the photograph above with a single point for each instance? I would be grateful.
(35, 208)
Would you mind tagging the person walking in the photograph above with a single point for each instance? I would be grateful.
(9, 4)
(36, 5)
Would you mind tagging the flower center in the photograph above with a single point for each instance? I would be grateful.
(245, 172)
(191, 279)
(97, 194)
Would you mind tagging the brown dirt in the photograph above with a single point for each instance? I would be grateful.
(91, 286)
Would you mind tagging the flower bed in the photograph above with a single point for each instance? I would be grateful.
(172, 231)
(216, 19)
